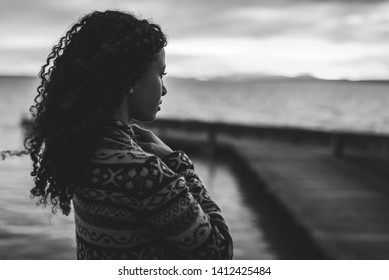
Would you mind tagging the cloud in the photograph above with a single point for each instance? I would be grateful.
(338, 22)
(277, 56)
(216, 34)
(20, 62)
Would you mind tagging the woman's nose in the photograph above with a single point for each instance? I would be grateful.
(164, 91)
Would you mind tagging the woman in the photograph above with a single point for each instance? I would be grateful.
(133, 197)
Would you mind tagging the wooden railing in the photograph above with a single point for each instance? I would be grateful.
(337, 141)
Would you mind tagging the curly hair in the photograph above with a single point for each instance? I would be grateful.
(84, 78)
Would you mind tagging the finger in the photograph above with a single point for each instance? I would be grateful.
(141, 133)
(138, 128)
(141, 144)
(135, 126)
(144, 144)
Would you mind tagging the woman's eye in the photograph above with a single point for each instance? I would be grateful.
(163, 74)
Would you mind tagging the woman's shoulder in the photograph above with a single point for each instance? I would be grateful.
(121, 155)
(118, 146)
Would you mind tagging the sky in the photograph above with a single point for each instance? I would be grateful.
(330, 39)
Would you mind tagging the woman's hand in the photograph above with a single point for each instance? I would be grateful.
(149, 142)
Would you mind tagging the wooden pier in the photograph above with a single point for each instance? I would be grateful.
(333, 185)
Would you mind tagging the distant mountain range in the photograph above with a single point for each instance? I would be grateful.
(270, 78)
(238, 78)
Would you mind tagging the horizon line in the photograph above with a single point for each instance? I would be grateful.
(239, 77)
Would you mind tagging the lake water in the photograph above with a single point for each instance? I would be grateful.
(29, 232)
(322, 105)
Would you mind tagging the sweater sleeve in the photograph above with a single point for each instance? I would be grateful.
(180, 163)
(178, 206)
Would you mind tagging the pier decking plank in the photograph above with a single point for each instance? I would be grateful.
(343, 207)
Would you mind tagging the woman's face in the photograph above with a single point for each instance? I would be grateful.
(145, 100)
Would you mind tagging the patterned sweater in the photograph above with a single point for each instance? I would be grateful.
(133, 205)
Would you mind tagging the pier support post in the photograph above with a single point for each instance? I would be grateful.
(338, 146)
(212, 135)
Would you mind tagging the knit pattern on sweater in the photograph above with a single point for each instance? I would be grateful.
(133, 205)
